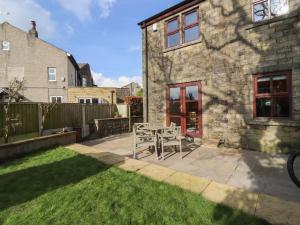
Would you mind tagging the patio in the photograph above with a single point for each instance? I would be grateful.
(253, 171)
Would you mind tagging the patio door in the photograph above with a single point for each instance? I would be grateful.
(184, 107)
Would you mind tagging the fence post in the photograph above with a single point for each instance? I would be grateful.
(129, 116)
(40, 119)
(83, 121)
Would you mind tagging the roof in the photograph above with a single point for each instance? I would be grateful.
(81, 65)
(168, 12)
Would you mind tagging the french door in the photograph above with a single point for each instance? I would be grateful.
(184, 107)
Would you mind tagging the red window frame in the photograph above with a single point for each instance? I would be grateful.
(271, 95)
(189, 26)
(173, 31)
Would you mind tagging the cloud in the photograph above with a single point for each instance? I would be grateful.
(21, 12)
(104, 81)
(105, 7)
(134, 48)
(69, 29)
(82, 9)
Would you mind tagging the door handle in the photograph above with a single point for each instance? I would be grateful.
(181, 108)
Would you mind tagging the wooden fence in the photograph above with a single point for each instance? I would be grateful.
(28, 116)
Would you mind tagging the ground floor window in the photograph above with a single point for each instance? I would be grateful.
(56, 99)
(272, 94)
(91, 101)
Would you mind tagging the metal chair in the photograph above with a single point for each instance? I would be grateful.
(170, 137)
(143, 138)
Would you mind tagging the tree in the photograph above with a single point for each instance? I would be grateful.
(140, 93)
(45, 108)
(15, 86)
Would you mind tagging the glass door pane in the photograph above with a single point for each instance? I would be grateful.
(175, 106)
(192, 109)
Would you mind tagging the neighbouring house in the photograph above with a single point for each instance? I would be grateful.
(97, 95)
(48, 71)
(86, 77)
(134, 88)
(227, 72)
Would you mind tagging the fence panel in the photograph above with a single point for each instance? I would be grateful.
(64, 115)
(24, 116)
(99, 112)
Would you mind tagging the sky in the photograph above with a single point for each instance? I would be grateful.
(103, 33)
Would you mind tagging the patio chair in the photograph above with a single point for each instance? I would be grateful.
(143, 138)
(170, 136)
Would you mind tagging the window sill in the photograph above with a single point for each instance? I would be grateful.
(285, 122)
(182, 46)
(273, 20)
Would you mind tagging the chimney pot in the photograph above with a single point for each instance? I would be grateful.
(33, 32)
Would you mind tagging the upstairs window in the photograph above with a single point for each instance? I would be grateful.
(52, 74)
(272, 95)
(173, 34)
(267, 9)
(191, 30)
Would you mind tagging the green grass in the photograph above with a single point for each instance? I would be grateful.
(22, 137)
(62, 187)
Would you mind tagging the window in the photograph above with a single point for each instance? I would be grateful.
(267, 9)
(56, 99)
(173, 35)
(272, 94)
(88, 100)
(5, 46)
(191, 30)
(52, 74)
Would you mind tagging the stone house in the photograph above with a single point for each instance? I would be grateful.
(227, 72)
(47, 70)
(134, 88)
(97, 95)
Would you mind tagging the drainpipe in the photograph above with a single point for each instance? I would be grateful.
(147, 73)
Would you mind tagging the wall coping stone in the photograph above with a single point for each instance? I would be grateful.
(36, 139)
(274, 122)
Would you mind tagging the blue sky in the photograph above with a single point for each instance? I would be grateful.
(103, 33)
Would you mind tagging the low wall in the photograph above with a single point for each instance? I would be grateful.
(107, 127)
(272, 137)
(17, 149)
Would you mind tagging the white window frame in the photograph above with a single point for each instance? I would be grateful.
(255, 2)
(55, 74)
(54, 96)
(84, 82)
(5, 46)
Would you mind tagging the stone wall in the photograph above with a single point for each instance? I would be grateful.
(21, 148)
(231, 49)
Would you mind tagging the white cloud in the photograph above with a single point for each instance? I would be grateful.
(21, 12)
(134, 48)
(104, 81)
(105, 7)
(70, 30)
(82, 9)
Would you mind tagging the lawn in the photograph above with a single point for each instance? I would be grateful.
(62, 187)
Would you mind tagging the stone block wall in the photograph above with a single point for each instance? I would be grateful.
(230, 51)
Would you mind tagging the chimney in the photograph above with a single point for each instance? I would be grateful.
(33, 32)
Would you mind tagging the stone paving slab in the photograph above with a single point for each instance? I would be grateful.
(278, 211)
(155, 172)
(272, 209)
(231, 196)
(132, 165)
(188, 182)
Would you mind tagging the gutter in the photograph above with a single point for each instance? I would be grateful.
(147, 74)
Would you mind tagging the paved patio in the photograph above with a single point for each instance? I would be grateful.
(253, 171)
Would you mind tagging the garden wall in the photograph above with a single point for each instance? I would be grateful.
(17, 149)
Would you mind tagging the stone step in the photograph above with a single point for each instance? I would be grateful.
(213, 143)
